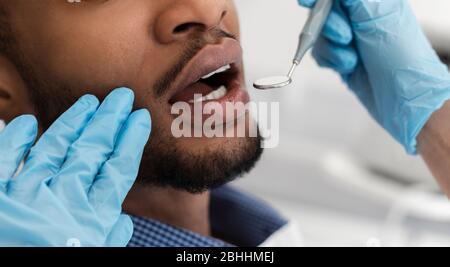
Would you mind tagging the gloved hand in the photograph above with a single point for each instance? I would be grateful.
(71, 188)
(381, 52)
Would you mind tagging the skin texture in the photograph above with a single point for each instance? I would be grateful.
(434, 146)
(65, 51)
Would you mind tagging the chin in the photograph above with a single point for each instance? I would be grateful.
(197, 165)
(227, 142)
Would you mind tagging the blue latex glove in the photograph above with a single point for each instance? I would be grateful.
(381, 52)
(72, 186)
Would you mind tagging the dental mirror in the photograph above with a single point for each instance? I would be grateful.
(308, 38)
(275, 81)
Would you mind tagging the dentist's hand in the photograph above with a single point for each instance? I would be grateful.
(72, 186)
(381, 52)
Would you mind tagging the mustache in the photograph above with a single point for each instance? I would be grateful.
(195, 44)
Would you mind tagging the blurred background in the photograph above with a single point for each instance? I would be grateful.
(345, 180)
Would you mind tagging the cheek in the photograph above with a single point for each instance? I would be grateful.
(95, 48)
(111, 54)
(231, 21)
(97, 56)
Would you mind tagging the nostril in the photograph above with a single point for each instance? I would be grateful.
(186, 27)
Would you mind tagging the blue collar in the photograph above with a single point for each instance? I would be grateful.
(238, 218)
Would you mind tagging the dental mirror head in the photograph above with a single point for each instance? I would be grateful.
(272, 82)
(276, 81)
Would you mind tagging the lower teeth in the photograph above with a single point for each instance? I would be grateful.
(214, 95)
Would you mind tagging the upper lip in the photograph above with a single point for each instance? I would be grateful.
(209, 59)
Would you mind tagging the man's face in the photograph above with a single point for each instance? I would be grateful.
(160, 49)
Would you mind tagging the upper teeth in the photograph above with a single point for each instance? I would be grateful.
(214, 95)
(219, 70)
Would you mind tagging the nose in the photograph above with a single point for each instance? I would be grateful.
(184, 17)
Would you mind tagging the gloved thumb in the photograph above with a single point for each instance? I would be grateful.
(15, 141)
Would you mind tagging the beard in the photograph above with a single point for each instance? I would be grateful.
(164, 163)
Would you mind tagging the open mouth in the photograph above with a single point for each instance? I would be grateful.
(213, 75)
(213, 86)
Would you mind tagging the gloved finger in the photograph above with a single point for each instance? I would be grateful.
(95, 145)
(47, 156)
(358, 81)
(118, 174)
(121, 232)
(342, 59)
(337, 27)
(15, 141)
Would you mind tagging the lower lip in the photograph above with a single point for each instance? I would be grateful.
(236, 94)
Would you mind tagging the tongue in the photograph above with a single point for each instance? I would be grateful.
(188, 93)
